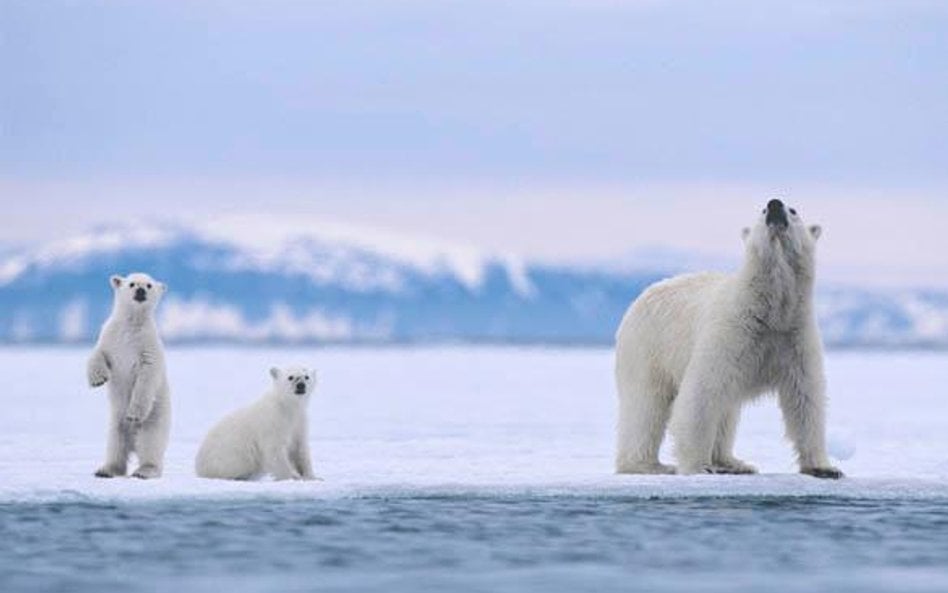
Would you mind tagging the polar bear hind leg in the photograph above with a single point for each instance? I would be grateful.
(150, 444)
(117, 449)
(644, 408)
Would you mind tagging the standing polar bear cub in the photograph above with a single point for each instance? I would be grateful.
(268, 437)
(130, 358)
(692, 350)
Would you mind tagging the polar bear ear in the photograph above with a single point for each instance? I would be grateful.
(815, 231)
(314, 375)
(116, 281)
(745, 233)
(275, 373)
(162, 287)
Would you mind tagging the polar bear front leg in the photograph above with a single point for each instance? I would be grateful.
(802, 395)
(279, 466)
(722, 457)
(694, 426)
(803, 415)
(301, 459)
(97, 370)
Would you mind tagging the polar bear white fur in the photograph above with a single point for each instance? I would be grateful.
(693, 349)
(268, 437)
(129, 357)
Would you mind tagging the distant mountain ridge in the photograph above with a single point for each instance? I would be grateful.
(334, 284)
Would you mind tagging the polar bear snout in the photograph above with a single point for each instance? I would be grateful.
(294, 381)
(139, 291)
(776, 214)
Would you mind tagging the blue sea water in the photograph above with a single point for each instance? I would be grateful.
(476, 543)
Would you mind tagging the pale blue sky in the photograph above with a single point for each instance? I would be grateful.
(594, 123)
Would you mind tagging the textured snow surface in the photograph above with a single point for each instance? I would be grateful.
(464, 421)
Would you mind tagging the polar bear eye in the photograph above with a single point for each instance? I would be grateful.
(793, 212)
(291, 378)
(307, 377)
(149, 286)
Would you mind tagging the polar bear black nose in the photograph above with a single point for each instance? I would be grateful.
(300, 388)
(140, 295)
(776, 214)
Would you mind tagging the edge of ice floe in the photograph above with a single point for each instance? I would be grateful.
(619, 487)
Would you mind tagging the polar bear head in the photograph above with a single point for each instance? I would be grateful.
(295, 381)
(137, 292)
(781, 236)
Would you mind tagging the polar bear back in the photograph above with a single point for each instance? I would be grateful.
(235, 447)
(231, 449)
(666, 317)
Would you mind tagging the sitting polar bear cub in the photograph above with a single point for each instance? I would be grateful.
(129, 357)
(695, 348)
(267, 437)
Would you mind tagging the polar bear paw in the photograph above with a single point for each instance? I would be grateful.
(109, 472)
(98, 375)
(283, 476)
(731, 466)
(134, 417)
(646, 468)
(147, 472)
(829, 472)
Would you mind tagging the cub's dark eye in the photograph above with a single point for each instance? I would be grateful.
(792, 211)
(764, 211)
(149, 286)
(132, 285)
(307, 377)
(291, 379)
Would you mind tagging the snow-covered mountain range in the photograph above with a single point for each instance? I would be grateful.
(331, 283)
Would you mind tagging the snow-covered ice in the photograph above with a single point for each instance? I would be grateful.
(463, 420)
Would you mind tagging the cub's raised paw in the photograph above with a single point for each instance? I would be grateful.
(98, 378)
(134, 417)
(829, 473)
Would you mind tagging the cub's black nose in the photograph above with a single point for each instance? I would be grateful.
(776, 214)
(300, 388)
(140, 295)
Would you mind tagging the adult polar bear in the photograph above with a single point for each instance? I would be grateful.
(695, 348)
(129, 356)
